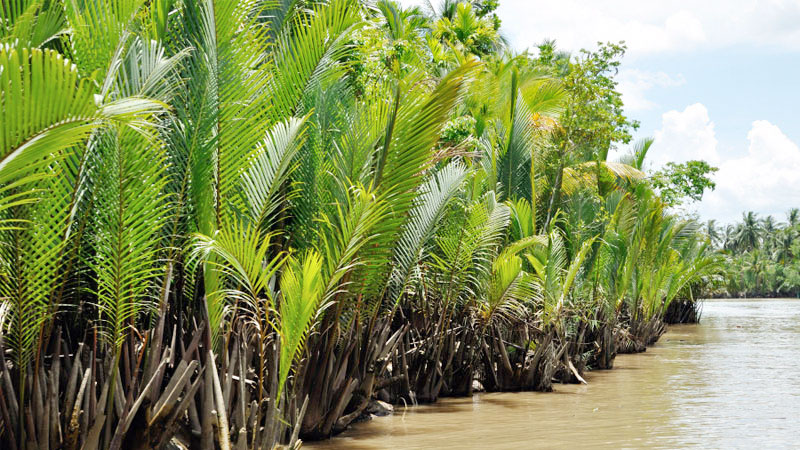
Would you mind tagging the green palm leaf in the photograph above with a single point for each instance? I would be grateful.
(302, 286)
(508, 289)
(405, 155)
(308, 50)
(428, 211)
(586, 174)
(30, 23)
(44, 108)
(31, 258)
(238, 254)
(467, 248)
(98, 30)
(269, 169)
(131, 190)
(345, 232)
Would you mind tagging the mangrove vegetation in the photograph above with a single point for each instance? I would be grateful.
(762, 255)
(236, 224)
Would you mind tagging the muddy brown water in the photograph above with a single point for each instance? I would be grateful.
(733, 381)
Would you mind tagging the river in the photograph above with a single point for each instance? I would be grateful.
(733, 381)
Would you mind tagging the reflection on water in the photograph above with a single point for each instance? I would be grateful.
(731, 382)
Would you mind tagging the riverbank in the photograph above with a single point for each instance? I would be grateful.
(688, 390)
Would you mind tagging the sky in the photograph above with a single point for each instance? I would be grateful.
(708, 79)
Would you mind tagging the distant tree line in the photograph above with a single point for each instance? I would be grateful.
(762, 255)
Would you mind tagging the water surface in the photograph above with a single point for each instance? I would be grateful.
(731, 382)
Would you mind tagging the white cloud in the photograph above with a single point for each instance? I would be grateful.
(579, 24)
(654, 27)
(765, 180)
(651, 26)
(684, 135)
(634, 84)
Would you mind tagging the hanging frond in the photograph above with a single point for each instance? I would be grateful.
(45, 108)
(544, 96)
(584, 174)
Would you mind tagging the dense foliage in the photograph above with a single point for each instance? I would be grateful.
(762, 256)
(677, 183)
(236, 223)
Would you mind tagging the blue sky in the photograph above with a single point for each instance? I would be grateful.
(709, 79)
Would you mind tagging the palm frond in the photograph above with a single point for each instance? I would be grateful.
(32, 257)
(31, 23)
(467, 248)
(46, 111)
(404, 157)
(45, 108)
(638, 153)
(514, 165)
(543, 96)
(523, 220)
(344, 233)
(98, 31)
(269, 169)
(506, 290)
(302, 286)
(239, 256)
(429, 208)
(131, 188)
(585, 173)
(575, 266)
(309, 49)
